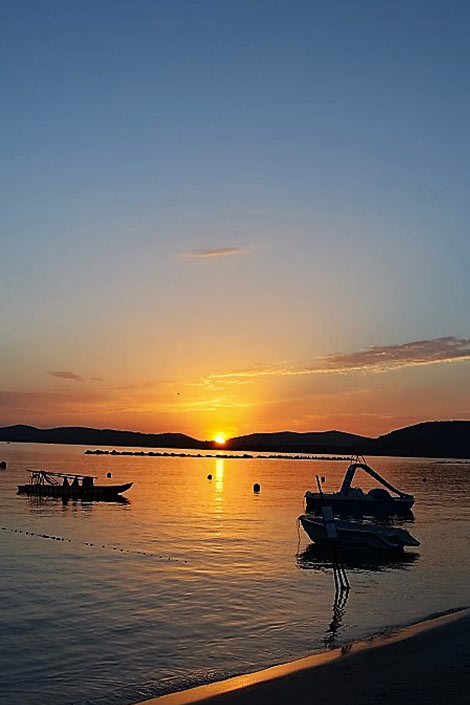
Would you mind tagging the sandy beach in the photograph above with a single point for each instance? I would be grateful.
(425, 663)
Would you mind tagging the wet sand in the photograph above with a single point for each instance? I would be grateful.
(425, 664)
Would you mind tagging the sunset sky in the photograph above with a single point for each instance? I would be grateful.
(222, 216)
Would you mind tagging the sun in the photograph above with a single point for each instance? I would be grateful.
(220, 438)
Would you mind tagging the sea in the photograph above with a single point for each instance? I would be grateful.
(194, 579)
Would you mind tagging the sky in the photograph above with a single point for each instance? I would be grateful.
(222, 217)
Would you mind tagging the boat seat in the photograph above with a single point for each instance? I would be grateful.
(378, 493)
(355, 492)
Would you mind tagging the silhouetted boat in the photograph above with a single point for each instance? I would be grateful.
(353, 500)
(354, 534)
(46, 484)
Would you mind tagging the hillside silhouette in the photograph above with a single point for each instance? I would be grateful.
(80, 435)
(292, 442)
(436, 439)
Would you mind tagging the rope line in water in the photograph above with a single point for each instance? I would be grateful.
(91, 545)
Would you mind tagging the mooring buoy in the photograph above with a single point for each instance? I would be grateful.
(256, 487)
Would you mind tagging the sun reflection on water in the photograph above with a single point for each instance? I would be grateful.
(219, 495)
(219, 480)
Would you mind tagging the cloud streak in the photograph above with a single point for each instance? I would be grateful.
(212, 253)
(373, 359)
(388, 357)
(64, 374)
(145, 385)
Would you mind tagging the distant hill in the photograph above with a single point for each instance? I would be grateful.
(100, 437)
(292, 442)
(435, 439)
(432, 439)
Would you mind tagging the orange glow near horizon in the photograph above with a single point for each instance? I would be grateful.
(364, 402)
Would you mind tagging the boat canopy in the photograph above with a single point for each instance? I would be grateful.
(46, 476)
(348, 478)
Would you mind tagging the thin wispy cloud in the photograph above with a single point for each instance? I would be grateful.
(421, 352)
(216, 383)
(148, 384)
(373, 359)
(64, 374)
(191, 406)
(137, 385)
(206, 405)
(216, 252)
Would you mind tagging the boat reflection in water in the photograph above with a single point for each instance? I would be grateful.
(38, 500)
(319, 557)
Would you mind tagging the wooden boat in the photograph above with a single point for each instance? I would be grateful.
(354, 534)
(47, 484)
(354, 501)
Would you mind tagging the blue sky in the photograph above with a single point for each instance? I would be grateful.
(325, 143)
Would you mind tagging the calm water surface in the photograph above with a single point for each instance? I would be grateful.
(193, 579)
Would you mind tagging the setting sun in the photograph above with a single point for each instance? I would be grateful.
(219, 438)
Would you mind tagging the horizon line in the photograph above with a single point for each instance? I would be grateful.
(244, 435)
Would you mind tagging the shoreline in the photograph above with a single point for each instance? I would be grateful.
(223, 456)
(426, 661)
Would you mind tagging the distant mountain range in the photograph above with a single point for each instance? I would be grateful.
(433, 439)
(80, 435)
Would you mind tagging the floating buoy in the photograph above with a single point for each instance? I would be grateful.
(209, 477)
(256, 487)
(323, 478)
(3, 465)
(108, 474)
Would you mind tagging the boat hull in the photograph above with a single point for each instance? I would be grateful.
(359, 506)
(92, 494)
(354, 535)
